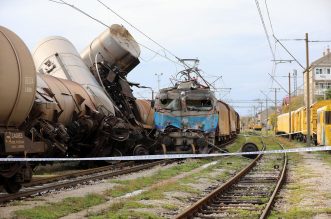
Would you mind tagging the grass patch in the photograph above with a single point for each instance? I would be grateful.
(159, 193)
(170, 207)
(125, 209)
(297, 212)
(127, 186)
(242, 213)
(60, 209)
(126, 214)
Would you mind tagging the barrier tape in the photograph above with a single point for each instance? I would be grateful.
(260, 135)
(166, 156)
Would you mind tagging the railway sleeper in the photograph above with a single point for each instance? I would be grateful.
(259, 181)
(248, 193)
(271, 178)
(220, 211)
(247, 197)
(236, 201)
(227, 207)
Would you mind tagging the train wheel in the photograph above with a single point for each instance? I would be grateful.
(120, 134)
(11, 186)
(115, 153)
(140, 150)
(250, 147)
(110, 152)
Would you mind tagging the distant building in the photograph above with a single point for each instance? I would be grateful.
(319, 77)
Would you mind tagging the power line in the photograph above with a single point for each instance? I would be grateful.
(311, 41)
(264, 27)
(266, 5)
(289, 52)
(319, 41)
(102, 23)
(138, 29)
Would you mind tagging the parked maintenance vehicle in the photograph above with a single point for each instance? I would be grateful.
(319, 121)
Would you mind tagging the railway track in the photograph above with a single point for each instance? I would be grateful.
(250, 193)
(68, 180)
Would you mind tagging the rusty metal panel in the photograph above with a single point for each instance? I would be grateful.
(223, 122)
(146, 112)
(14, 141)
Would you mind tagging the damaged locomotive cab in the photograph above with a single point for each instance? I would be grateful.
(186, 118)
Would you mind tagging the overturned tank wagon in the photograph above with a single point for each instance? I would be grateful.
(56, 106)
(110, 57)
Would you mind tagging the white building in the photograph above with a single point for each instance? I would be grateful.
(319, 77)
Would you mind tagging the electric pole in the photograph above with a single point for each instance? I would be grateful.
(275, 90)
(307, 91)
(289, 107)
(267, 110)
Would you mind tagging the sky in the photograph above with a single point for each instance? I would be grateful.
(227, 37)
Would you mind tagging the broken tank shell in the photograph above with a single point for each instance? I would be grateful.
(59, 97)
(17, 79)
(116, 46)
(146, 113)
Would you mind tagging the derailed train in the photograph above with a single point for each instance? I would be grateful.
(188, 117)
(59, 103)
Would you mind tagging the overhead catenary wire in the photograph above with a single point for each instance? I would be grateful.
(137, 29)
(102, 23)
(311, 41)
(269, 18)
(295, 59)
(264, 28)
(148, 37)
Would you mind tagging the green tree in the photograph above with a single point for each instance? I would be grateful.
(296, 103)
(328, 94)
(273, 120)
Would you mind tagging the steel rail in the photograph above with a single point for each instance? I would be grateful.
(280, 182)
(44, 180)
(202, 204)
(65, 184)
(189, 212)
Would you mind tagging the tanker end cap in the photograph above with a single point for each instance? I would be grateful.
(116, 46)
(17, 79)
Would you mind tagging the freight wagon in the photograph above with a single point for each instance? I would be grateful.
(299, 123)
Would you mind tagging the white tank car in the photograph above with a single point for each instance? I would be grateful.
(57, 56)
(116, 46)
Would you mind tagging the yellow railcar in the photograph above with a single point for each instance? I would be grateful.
(323, 128)
(282, 123)
(257, 126)
(299, 124)
(313, 116)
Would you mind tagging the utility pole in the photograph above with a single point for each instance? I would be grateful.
(267, 110)
(275, 90)
(158, 80)
(307, 91)
(289, 107)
